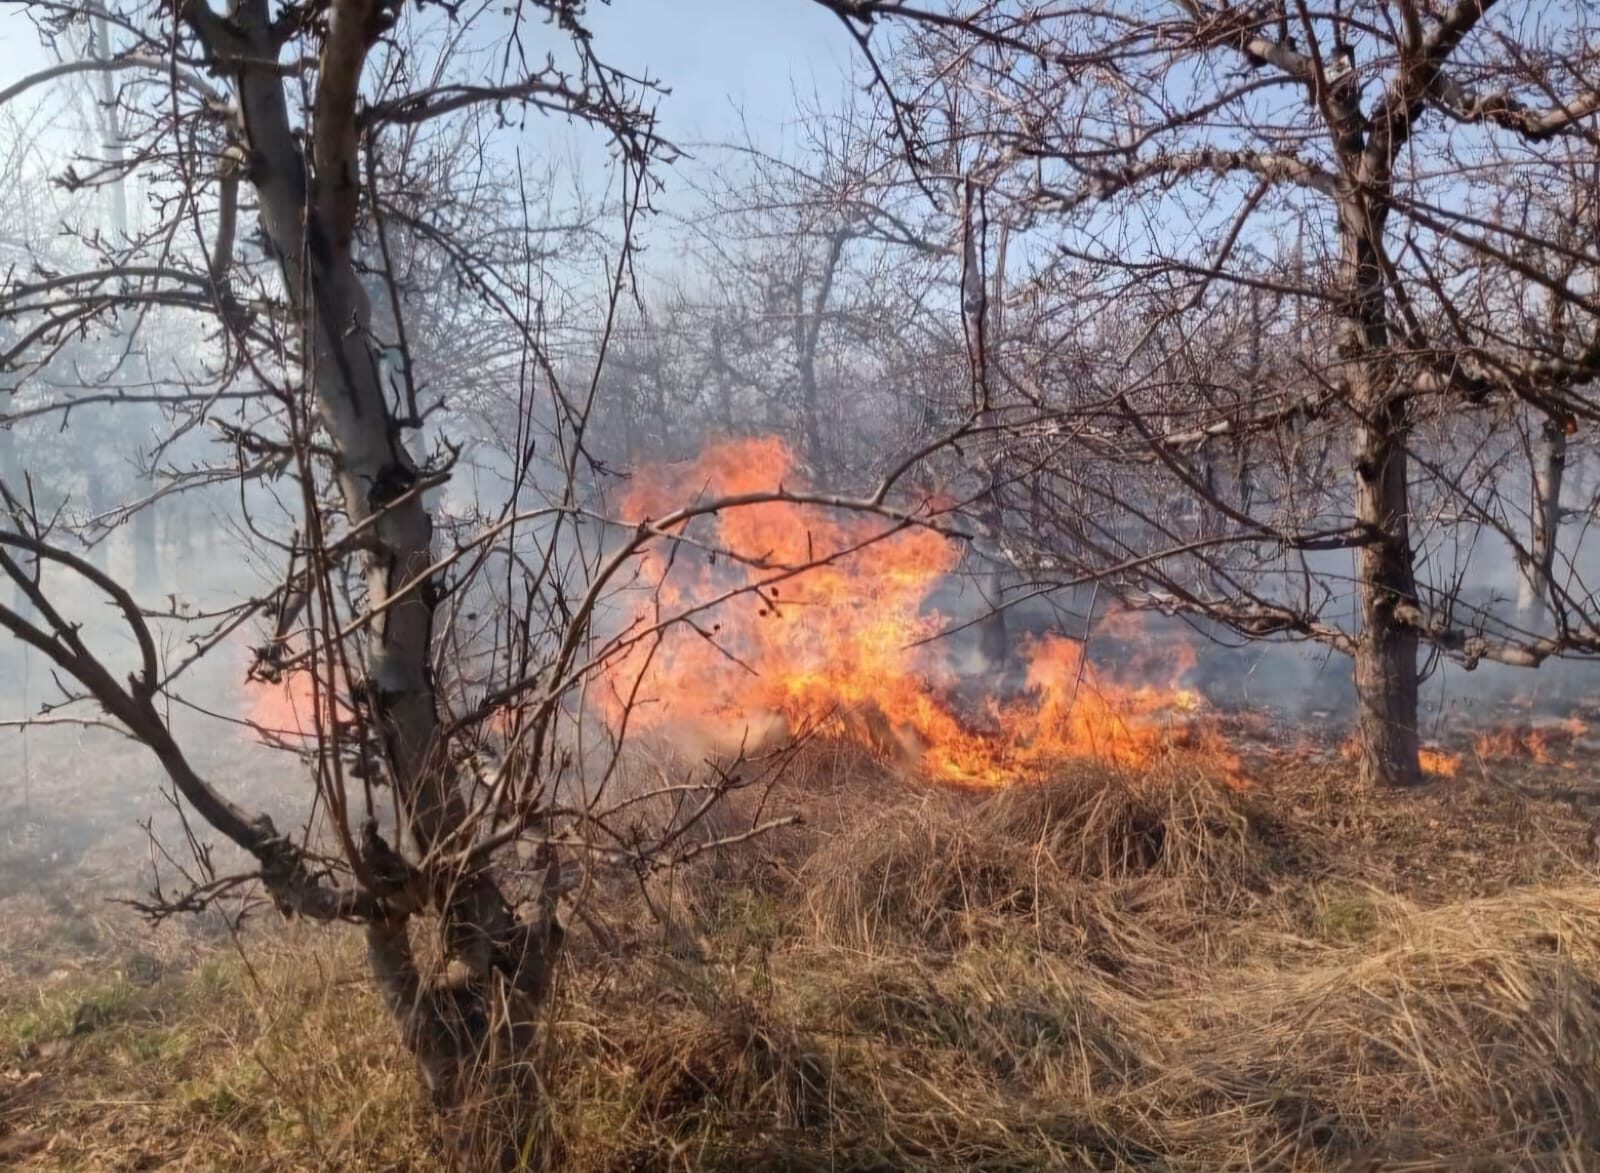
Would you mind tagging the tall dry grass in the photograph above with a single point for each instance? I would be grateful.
(1106, 971)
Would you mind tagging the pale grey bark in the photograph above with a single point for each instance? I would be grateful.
(1544, 510)
(312, 232)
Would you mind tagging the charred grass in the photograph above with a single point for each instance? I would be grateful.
(1101, 971)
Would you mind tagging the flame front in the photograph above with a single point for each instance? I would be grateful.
(1533, 745)
(801, 617)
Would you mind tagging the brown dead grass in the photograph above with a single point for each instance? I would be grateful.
(1085, 862)
(1105, 971)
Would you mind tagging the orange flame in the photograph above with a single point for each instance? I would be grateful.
(821, 620)
(1434, 761)
(290, 707)
(1439, 763)
(1535, 746)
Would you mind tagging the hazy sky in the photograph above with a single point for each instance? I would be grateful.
(731, 65)
(734, 69)
(718, 56)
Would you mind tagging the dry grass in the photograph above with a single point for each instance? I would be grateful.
(1081, 863)
(285, 1062)
(1467, 1036)
(1102, 972)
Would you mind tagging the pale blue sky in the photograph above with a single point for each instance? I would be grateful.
(718, 57)
(734, 69)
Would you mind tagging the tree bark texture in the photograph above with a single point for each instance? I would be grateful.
(1386, 647)
(309, 201)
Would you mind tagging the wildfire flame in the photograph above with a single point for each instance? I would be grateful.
(1531, 744)
(844, 645)
(1522, 744)
(1435, 761)
(1439, 763)
(290, 707)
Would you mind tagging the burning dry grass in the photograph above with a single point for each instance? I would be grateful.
(782, 616)
(1106, 971)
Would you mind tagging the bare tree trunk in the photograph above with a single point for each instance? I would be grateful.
(10, 474)
(8, 445)
(985, 323)
(146, 544)
(994, 636)
(725, 402)
(1549, 469)
(1386, 646)
(724, 382)
(101, 502)
(101, 50)
(810, 412)
(508, 961)
(808, 334)
(141, 534)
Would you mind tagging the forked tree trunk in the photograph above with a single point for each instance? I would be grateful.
(808, 335)
(456, 1028)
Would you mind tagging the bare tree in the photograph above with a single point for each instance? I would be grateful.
(1397, 197)
(346, 278)
(821, 283)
